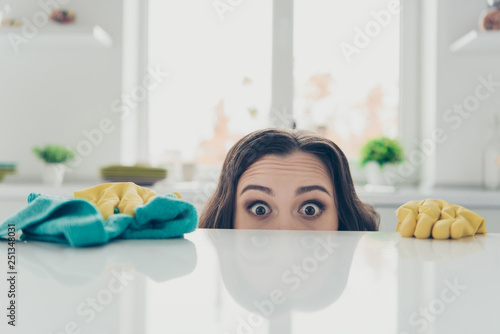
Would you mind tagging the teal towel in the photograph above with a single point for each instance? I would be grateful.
(78, 222)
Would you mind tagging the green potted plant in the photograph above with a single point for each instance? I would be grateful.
(377, 155)
(54, 158)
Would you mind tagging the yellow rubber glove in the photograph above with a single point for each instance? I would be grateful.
(438, 218)
(123, 195)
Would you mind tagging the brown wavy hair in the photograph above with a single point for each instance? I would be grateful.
(353, 215)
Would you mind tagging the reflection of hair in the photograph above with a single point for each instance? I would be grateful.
(311, 295)
(353, 214)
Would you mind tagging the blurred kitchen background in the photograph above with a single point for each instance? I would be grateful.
(157, 91)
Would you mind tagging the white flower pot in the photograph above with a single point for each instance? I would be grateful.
(377, 175)
(53, 174)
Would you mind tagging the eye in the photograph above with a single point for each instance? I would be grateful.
(259, 209)
(311, 209)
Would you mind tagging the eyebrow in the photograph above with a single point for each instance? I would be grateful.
(303, 190)
(267, 190)
(300, 191)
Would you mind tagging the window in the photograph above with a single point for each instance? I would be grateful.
(220, 76)
(346, 70)
(222, 85)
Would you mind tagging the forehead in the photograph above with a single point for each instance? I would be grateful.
(299, 166)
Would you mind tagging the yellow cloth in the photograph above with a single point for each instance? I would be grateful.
(123, 195)
(438, 218)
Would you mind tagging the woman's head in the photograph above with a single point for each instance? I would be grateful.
(284, 179)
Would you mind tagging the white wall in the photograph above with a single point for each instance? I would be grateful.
(51, 93)
(458, 160)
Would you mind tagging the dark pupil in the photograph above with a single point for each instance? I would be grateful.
(260, 210)
(310, 211)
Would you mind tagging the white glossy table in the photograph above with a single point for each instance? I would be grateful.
(243, 281)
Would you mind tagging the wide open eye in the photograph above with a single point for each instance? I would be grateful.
(311, 209)
(259, 209)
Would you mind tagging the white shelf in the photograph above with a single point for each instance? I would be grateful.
(56, 35)
(477, 41)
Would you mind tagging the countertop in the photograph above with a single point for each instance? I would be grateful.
(257, 281)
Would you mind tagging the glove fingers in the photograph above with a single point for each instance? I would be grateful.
(130, 200)
(128, 207)
(411, 206)
(424, 226)
(430, 207)
(407, 218)
(133, 197)
(441, 229)
(147, 196)
(107, 208)
(407, 223)
(461, 228)
(482, 228)
(428, 214)
(439, 219)
(124, 195)
(448, 212)
(477, 222)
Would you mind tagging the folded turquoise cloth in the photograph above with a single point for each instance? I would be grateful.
(78, 222)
